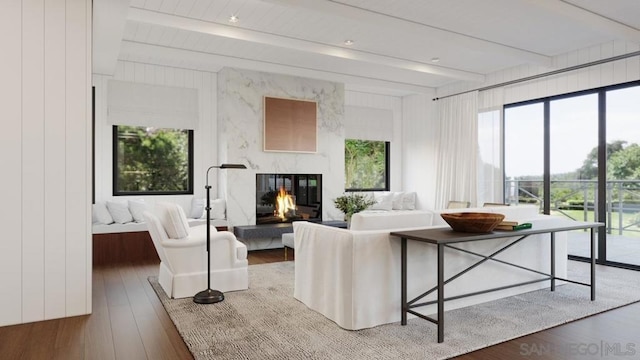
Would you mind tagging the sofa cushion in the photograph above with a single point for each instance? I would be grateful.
(396, 200)
(173, 220)
(384, 201)
(218, 209)
(197, 208)
(119, 211)
(409, 201)
(137, 208)
(101, 215)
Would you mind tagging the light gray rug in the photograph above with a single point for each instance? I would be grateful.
(266, 322)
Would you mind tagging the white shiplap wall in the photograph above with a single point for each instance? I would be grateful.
(420, 131)
(615, 72)
(45, 253)
(205, 137)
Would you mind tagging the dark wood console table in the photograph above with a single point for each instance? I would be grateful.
(444, 237)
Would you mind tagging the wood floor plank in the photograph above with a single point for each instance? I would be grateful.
(180, 347)
(13, 340)
(98, 339)
(42, 340)
(125, 333)
(156, 342)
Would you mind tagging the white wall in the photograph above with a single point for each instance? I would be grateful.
(205, 136)
(616, 72)
(419, 148)
(45, 253)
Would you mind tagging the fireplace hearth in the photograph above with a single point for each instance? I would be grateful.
(283, 198)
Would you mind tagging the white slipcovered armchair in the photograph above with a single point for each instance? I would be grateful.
(183, 254)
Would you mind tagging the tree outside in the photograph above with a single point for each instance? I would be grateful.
(365, 164)
(152, 160)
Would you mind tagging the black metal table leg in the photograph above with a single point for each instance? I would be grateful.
(403, 281)
(553, 261)
(593, 265)
(440, 293)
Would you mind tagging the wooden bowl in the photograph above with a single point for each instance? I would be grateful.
(473, 222)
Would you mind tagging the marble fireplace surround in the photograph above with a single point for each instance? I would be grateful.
(240, 107)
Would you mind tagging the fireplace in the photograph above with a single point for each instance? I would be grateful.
(282, 198)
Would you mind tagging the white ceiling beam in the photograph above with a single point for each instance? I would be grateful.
(233, 32)
(168, 56)
(383, 20)
(110, 17)
(589, 18)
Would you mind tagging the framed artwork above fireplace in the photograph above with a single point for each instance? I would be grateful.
(290, 125)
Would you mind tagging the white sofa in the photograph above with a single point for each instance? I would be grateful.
(353, 276)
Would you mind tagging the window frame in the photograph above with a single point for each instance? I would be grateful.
(115, 171)
(387, 169)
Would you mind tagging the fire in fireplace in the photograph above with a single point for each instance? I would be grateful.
(288, 197)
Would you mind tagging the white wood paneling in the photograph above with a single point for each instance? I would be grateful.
(54, 195)
(420, 129)
(44, 263)
(77, 122)
(11, 160)
(33, 160)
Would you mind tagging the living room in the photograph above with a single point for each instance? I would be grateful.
(59, 169)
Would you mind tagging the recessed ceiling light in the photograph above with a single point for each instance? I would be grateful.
(348, 42)
(435, 60)
(233, 19)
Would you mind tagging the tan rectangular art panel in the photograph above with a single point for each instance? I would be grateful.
(290, 125)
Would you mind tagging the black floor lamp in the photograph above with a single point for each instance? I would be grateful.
(210, 296)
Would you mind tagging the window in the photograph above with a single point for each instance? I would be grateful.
(366, 165)
(152, 161)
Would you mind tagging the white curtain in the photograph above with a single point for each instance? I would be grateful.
(490, 134)
(137, 104)
(456, 160)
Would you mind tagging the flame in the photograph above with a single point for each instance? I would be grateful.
(284, 204)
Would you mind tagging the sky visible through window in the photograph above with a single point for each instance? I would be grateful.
(574, 131)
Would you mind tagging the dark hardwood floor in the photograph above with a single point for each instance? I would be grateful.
(129, 322)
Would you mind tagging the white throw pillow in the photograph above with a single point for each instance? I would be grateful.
(409, 201)
(218, 209)
(137, 209)
(384, 201)
(173, 220)
(197, 208)
(396, 202)
(119, 212)
(100, 214)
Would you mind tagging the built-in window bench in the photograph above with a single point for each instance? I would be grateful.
(130, 242)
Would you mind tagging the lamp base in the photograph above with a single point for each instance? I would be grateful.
(208, 297)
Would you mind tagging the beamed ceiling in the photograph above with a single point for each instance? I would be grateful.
(395, 42)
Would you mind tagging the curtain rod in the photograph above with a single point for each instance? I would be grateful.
(550, 73)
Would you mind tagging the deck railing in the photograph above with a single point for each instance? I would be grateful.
(578, 200)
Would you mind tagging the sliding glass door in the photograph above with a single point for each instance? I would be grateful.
(623, 175)
(578, 156)
(573, 139)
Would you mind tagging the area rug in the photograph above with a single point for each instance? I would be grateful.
(266, 322)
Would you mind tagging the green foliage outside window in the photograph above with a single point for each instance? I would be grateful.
(150, 160)
(365, 165)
